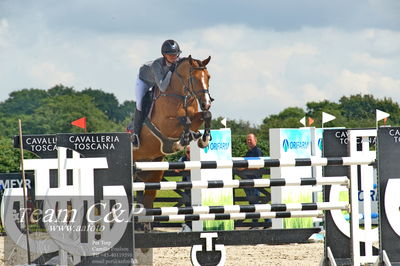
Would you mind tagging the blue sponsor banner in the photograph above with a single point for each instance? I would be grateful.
(318, 138)
(296, 142)
(220, 147)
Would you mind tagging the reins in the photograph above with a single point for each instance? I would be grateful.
(188, 89)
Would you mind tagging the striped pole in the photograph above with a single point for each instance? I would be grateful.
(244, 208)
(251, 164)
(245, 183)
(231, 216)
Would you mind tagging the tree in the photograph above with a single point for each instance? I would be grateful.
(239, 127)
(23, 102)
(56, 114)
(288, 118)
(106, 102)
(9, 124)
(126, 110)
(59, 90)
(9, 156)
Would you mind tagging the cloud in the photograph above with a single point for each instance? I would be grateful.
(260, 64)
(3, 33)
(367, 59)
(351, 82)
(48, 75)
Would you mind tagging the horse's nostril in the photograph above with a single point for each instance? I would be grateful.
(205, 106)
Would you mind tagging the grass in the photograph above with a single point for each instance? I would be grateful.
(173, 194)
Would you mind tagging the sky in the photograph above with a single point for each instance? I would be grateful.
(266, 55)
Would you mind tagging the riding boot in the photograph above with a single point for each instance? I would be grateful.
(137, 128)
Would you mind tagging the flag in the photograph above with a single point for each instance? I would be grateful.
(310, 121)
(381, 115)
(303, 121)
(81, 122)
(223, 122)
(327, 117)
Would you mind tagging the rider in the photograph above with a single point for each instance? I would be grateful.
(154, 73)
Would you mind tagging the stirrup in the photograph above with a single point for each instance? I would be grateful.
(135, 141)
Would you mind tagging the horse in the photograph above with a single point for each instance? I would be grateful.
(175, 119)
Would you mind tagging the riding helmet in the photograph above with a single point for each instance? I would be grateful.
(170, 47)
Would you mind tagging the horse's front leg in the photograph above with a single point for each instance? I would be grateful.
(200, 118)
(186, 135)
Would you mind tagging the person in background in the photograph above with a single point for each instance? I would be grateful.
(253, 194)
(184, 158)
(186, 227)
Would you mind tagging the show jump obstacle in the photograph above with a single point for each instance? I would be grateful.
(95, 170)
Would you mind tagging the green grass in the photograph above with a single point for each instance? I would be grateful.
(173, 194)
(298, 222)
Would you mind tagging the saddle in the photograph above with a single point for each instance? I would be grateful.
(148, 102)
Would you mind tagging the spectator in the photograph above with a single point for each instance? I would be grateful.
(253, 194)
(184, 158)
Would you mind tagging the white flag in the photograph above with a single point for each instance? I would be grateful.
(223, 122)
(381, 115)
(327, 117)
(303, 121)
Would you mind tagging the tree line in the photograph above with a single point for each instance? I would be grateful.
(51, 111)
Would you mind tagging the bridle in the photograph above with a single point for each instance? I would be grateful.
(189, 88)
(189, 95)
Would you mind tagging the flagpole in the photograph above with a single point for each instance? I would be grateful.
(24, 190)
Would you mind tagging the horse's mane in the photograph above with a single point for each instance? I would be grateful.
(184, 59)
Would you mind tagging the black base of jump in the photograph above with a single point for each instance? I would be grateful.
(230, 238)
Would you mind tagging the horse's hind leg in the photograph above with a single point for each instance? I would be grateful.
(150, 195)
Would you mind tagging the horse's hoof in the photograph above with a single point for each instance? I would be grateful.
(202, 144)
(144, 250)
(195, 135)
(147, 227)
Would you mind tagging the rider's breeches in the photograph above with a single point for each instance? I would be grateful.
(140, 90)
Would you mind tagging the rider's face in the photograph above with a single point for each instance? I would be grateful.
(171, 58)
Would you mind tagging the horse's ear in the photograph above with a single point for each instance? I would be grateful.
(190, 59)
(206, 61)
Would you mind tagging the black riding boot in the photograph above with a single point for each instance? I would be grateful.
(137, 127)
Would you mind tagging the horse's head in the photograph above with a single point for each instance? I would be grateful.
(194, 76)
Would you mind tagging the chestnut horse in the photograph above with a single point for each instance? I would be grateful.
(175, 119)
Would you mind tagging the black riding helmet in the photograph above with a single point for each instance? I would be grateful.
(170, 47)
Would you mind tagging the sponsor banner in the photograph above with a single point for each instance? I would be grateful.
(44, 146)
(389, 184)
(219, 148)
(296, 143)
(14, 180)
(288, 143)
(94, 185)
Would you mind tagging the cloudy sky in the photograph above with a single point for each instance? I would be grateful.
(266, 54)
